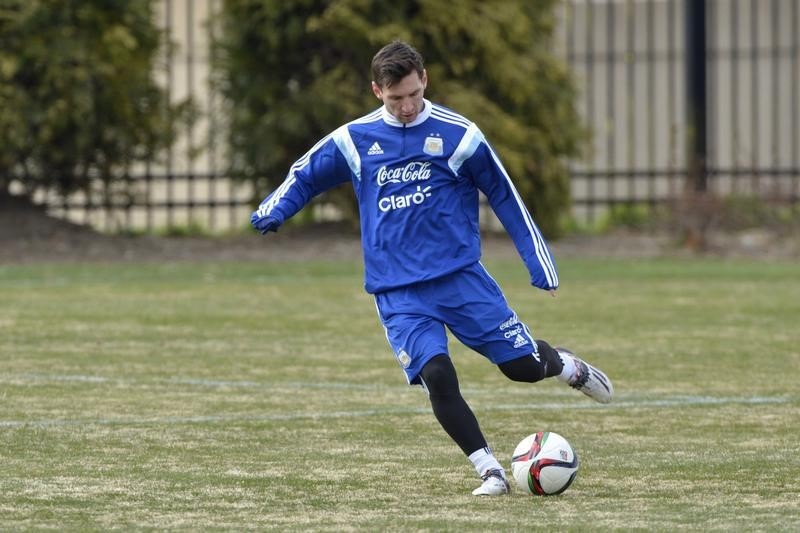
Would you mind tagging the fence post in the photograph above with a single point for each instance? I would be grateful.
(696, 99)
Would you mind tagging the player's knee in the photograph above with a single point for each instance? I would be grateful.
(534, 367)
(526, 369)
(439, 376)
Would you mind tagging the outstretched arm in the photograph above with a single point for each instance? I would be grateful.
(320, 169)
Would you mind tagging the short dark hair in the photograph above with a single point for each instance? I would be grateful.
(394, 62)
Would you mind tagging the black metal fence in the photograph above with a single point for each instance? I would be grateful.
(630, 60)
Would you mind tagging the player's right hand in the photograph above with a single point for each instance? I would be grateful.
(264, 224)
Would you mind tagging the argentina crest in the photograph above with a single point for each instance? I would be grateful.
(433, 146)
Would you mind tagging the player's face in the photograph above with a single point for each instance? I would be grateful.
(403, 99)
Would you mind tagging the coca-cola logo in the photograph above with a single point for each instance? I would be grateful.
(413, 171)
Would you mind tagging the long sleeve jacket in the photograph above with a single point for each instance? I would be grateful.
(417, 187)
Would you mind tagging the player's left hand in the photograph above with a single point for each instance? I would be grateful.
(264, 224)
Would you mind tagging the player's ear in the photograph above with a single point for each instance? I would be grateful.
(424, 79)
(376, 90)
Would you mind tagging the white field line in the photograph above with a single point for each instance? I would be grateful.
(42, 378)
(677, 402)
(34, 378)
(629, 402)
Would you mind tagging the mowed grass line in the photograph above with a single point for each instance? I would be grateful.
(264, 396)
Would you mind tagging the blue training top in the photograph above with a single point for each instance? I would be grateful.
(417, 188)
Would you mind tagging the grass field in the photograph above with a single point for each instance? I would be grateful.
(264, 396)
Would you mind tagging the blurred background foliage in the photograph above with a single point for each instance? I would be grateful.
(78, 99)
(80, 103)
(291, 71)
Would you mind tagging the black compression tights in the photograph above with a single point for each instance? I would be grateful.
(530, 369)
(440, 379)
(452, 412)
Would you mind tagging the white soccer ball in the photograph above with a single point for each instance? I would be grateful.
(544, 464)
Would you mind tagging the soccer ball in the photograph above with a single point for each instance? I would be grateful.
(544, 464)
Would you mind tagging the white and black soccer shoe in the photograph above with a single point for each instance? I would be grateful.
(494, 484)
(588, 379)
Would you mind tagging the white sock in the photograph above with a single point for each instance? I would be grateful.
(484, 460)
(568, 372)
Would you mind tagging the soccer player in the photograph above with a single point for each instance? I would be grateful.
(417, 169)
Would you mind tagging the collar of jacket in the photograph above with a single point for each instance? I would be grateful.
(422, 117)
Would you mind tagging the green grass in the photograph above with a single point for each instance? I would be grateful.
(264, 396)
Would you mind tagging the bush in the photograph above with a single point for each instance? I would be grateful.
(77, 97)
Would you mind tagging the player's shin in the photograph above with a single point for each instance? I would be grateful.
(451, 410)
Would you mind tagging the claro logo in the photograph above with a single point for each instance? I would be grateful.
(413, 171)
(401, 201)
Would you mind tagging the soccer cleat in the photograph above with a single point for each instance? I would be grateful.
(494, 484)
(588, 379)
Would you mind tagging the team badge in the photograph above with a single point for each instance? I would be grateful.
(433, 146)
(404, 358)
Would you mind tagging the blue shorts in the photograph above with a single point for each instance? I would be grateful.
(469, 303)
